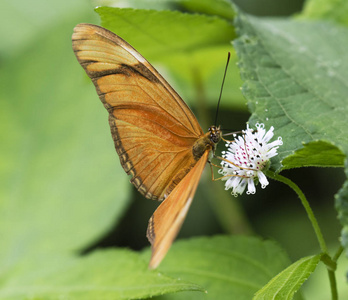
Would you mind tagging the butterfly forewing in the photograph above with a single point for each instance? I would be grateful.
(153, 129)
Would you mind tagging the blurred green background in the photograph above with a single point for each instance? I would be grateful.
(58, 159)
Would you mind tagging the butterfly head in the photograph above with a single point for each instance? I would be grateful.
(215, 134)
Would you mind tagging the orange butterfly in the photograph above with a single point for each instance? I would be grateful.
(156, 135)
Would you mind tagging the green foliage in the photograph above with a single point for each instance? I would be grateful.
(22, 22)
(342, 207)
(220, 8)
(312, 154)
(227, 267)
(197, 54)
(296, 82)
(285, 284)
(62, 188)
(335, 10)
(109, 274)
(49, 155)
(300, 84)
(158, 28)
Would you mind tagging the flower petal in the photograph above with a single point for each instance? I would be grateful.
(262, 178)
(251, 186)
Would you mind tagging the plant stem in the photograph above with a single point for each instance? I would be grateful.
(333, 285)
(328, 261)
(331, 266)
(306, 206)
(332, 277)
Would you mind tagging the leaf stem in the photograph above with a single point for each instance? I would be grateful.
(338, 253)
(306, 206)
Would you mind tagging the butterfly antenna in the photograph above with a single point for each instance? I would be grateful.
(222, 85)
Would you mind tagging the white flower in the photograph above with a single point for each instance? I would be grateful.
(246, 157)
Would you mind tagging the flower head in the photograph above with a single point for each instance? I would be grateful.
(247, 157)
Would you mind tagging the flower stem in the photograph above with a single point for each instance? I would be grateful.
(326, 259)
(333, 285)
(305, 204)
(332, 277)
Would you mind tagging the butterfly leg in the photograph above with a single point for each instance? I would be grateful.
(212, 171)
(231, 133)
(219, 167)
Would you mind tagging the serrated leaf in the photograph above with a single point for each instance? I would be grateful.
(288, 282)
(108, 274)
(316, 287)
(228, 267)
(296, 79)
(342, 208)
(335, 10)
(295, 82)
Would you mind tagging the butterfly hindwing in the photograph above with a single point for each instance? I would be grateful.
(166, 221)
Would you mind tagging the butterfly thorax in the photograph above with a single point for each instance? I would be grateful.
(207, 142)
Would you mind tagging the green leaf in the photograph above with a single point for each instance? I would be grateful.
(288, 282)
(62, 186)
(108, 274)
(142, 4)
(296, 79)
(295, 82)
(342, 208)
(228, 267)
(317, 285)
(162, 29)
(312, 154)
(192, 47)
(220, 8)
(335, 10)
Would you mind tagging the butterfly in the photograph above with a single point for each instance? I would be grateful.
(157, 137)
